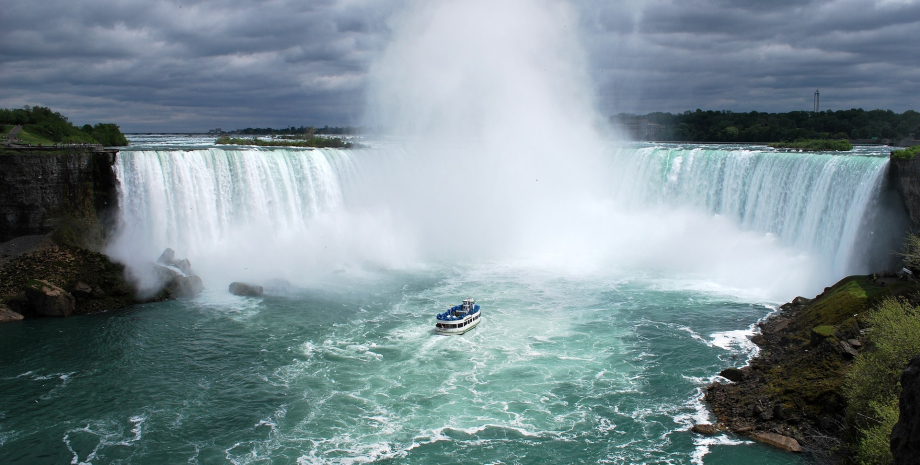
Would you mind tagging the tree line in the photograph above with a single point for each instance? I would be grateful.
(55, 127)
(728, 126)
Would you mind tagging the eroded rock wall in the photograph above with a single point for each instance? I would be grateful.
(905, 176)
(40, 190)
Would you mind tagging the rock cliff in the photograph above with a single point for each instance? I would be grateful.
(54, 209)
(905, 176)
(905, 437)
(41, 191)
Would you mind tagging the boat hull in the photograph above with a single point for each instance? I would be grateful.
(460, 330)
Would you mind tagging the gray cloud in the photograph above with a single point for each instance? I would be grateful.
(765, 56)
(186, 65)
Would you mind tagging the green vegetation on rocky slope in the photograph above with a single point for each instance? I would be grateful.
(906, 154)
(827, 372)
(873, 383)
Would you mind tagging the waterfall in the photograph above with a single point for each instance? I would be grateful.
(238, 212)
(741, 217)
(817, 202)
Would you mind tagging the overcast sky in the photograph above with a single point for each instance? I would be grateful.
(190, 65)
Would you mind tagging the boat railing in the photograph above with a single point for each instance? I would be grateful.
(451, 315)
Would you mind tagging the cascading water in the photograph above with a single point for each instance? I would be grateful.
(293, 214)
(819, 203)
(239, 213)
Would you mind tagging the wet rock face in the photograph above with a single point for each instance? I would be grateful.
(38, 190)
(905, 436)
(49, 300)
(905, 176)
(177, 276)
(6, 314)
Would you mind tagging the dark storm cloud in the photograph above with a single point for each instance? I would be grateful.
(745, 55)
(189, 65)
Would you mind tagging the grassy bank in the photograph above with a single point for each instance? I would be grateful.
(26, 137)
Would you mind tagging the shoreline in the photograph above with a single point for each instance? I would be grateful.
(790, 394)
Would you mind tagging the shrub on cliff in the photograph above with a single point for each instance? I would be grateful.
(875, 445)
(910, 251)
(872, 385)
(906, 154)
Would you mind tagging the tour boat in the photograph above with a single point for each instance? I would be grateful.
(459, 318)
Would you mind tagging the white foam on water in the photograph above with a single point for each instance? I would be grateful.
(104, 434)
(703, 445)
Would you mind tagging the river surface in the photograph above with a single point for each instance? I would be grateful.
(571, 364)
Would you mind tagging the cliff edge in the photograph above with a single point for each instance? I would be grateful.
(55, 206)
(905, 176)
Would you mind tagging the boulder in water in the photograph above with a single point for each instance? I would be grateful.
(777, 440)
(186, 287)
(177, 276)
(705, 429)
(8, 315)
(49, 300)
(247, 290)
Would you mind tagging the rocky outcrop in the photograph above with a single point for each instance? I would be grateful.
(95, 282)
(246, 290)
(49, 300)
(794, 388)
(41, 192)
(7, 315)
(705, 429)
(177, 277)
(732, 374)
(905, 436)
